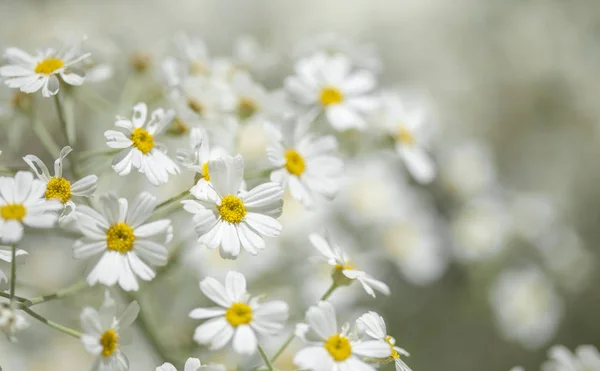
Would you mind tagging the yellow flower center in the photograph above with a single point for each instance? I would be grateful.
(142, 140)
(178, 127)
(294, 162)
(392, 342)
(110, 342)
(338, 347)
(205, 173)
(232, 209)
(140, 61)
(331, 95)
(238, 314)
(120, 237)
(49, 65)
(346, 265)
(195, 105)
(405, 137)
(197, 68)
(13, 211)
(59, 188)
(246, 108)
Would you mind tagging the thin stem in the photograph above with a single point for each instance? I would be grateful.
(57, 295)
(265, 358)
(13, 272)
(172, 200)
(44, 136)
(54, 325)
(61, 115)
(16, 298)
(329, 291)
(100, 152)
(67, 132)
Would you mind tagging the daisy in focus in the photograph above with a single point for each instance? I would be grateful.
(104, 333)
(228, 217)
(22, 203)
(344, 272)
(308, 164)
(331, 349)
(373, 325)
(192, 364)
(122, 243)
(327, 83)
(585, 358)
(30, 73)
(239, 316)
(6, 255)
(11, 321)
(139, 149)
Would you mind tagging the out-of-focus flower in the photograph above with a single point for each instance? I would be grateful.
(192, 59)
(248, 54)
(6, 255)
(119, 238)
(373, 325)
(22, 203)
(328, 84)
(192, 364)
(585, 358)
(344, 272)
(240, 316)
(226, 216)
(251, 100)
(32, 73)
(329, 349)
(138, 145)
(104, 333)
(203, 98)
(11, 321)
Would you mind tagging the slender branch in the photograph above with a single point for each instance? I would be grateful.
(13, 272)
(172, 200)
(54, 325)
(16, 298)
(44, 136)
(61, 115)
(265, 358)
(100, 152)
(330, 291)
(76, 287)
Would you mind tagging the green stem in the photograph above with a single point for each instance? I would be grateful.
(57, 295)
(330, 291)
(16, 298)
(44, 136)
(61, 115)
(13, 273)
(54, 325)
(100, 152)
(265, 358)
(172, 200)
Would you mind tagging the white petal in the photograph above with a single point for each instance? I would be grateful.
(372, 349)
(321, 319)
(230, 243)
(263, 224)
(418, 163)
(244, 340)
(215, 291)
(205, 313)
(140, 112)
(235, 284)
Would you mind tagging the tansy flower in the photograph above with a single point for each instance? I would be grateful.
(122, 242)
(32, 73)
(139, 147)
(238, 316)
(202, 98)
(104, 333)
(304, 162)
(22, 203)
(373, 325)
(6, 255)
(327, 83)
(344, 272)
(331, 349)
(58, 187)
(11, 320)
(192, 58)
(192, 364)
(250, 98)
(226, 216)
(585, 358)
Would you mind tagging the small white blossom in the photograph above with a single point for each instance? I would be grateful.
(373, 325)
(585, 358)
(11, 321)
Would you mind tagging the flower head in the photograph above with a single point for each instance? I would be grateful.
(11, 321)
(373, 325)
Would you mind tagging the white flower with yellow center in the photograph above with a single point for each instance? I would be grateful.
(6, 255)
(332, 350)
(305, 163)
(328, 84)
(42, 71)
(192, 364)
(11, 320)
(585, 358)
(104, 333)
(22, 203)
(191, 58)
(122, 243)
(344, 272)
(58, 187)
(202, 98)
(373, 325)
(139, 147)
(228, 217)
(251, 100)
(238, 317)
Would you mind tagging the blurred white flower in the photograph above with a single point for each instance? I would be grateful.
(227, 216)
(203, 98)
(328, 83)
(104, 333)
(238, 316)
(248, 54)
(585, 358)
(6, 255)
(11, 321)
(331, 349)
(192, 364)
(373, 325)
(192, 58)
(22, 203)
(138, 145)
(251, 101)
(117, 238)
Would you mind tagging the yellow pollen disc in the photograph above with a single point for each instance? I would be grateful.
(110, 342)
(120, 237)
(246, 108)
(140, 61)
(197, 68)
(338, 347)
(13, 211)
(294, 162)
(205, 173)
(238, 314)
(405, 137)
(142, 140)
(390, 340)
(195, 106)
(331, 95)
(232, 209)
(49, 65)
(347, 265)
(59, 188)
(178, 127)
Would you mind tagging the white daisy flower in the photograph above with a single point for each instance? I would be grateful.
(11, 321)
(192, 59)
(248, 54)
(345, 272)
(585, 358)
(192, 364)
(22, 203)
(373, 325)
(308, 164)
(331, 349)
(251, 101)
(58, 187)
(238, 316)
(139, 148)
(202, 98)
(230, 217)
(123, 244)
(104, 333)
(6, 255)
(411, 131)
(32, 73)
(327, 83)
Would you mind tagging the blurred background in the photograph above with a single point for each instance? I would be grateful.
(489, 265)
